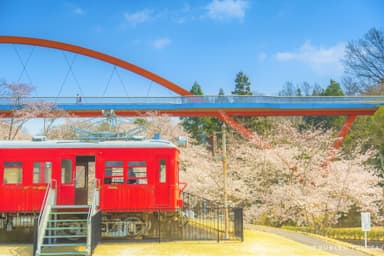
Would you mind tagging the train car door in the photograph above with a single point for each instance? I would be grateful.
(84, 175)
(162, 188)
(65, 189)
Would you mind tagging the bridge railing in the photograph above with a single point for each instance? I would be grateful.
(379, 100)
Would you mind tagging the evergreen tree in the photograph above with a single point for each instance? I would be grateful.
(243, 88)
(327, 122)
(333, 89)
(200, 128)
(242, 85)
(196, 89)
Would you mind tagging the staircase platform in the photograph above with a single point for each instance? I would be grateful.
(62, 253)
(65, 245)
(70, 206)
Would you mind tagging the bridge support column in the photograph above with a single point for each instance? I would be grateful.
(344, 131)
(246, 133)
(339, 141)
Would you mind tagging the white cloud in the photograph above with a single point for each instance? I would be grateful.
(161, 43)
(78, 11)
(320, 59)
(139, 16)
(227, 9)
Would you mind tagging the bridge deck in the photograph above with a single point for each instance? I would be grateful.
(203, 105)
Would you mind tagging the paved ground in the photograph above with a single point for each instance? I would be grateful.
(273, 242)
(256, 243)
(312, 241)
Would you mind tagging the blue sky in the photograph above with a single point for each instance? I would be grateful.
(206, 41)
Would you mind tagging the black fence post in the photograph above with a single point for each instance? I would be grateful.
(96, 230)
(35, 233)
(158, 220)
(218, 224)
(238, 222)
(242, 225)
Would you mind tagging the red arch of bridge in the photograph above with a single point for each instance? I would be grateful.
(96, 55)
(123, 64)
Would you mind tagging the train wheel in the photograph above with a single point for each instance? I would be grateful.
(137, 227)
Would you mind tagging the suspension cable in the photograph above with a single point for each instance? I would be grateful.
(121, 81)
(109, 81)
(24, 64)
(149, 88)
(70, 64)
(63, 83)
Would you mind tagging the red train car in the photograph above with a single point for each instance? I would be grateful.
(135, 179)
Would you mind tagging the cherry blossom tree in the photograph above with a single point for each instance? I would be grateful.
(293, 183)
(24, 109)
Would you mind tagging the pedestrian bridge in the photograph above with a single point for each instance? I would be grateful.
(222, 107)
(201, 105)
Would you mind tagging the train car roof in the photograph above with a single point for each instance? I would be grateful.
(87, 144)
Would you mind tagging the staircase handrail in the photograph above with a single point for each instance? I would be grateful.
(48, 201)
(95, 197)
(44, 202)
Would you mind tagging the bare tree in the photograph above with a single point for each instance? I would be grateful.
(352, 87)
(364, 59)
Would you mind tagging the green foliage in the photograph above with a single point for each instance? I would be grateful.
(196, 89)
(140, 121)
(350, 219)
(327, 122)
(370, 131)
(333, 89)
(200, 127)
(243, 88)
(242, 85)
(264, 219)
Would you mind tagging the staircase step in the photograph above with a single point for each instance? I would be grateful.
(67, 228)
(67, 220)
(64, 245)
(62, 253)
(66, 236)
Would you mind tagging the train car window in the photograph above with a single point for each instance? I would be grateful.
(114, 172)
(42, 172)
(66, 171)
(13, 172)
(137, 173)
(80, 177)
(163, 172)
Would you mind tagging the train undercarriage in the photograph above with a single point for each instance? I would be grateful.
(147, 225)
(114, 226)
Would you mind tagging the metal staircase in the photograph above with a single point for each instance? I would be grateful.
(67, 229)
(66, 232)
